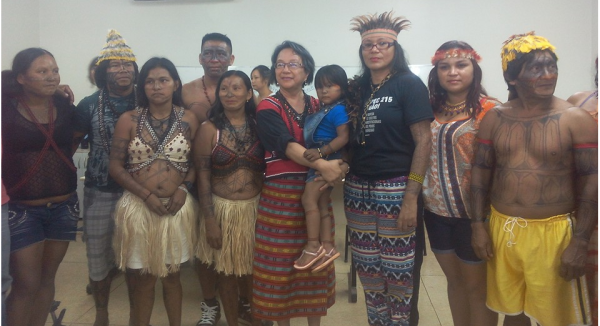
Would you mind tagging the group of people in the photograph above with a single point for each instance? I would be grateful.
(507, 192)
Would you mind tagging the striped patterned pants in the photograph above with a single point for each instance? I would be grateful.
(384, 257)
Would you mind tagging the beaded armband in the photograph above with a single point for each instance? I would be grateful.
(416, 177)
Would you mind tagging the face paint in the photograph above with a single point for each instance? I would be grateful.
(215, 58)
(215, 53)
(538, 76)
(121, 79)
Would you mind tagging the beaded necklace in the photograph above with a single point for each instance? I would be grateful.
(153, 130)
(452, 109)
(160, 148)
(103, 102)
(366, 108)
(205, 92)
(240, 142)
(292, 114)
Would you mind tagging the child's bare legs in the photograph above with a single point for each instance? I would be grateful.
(325, 234)
(310, 199)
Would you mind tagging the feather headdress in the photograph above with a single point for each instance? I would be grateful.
(384, 23)
(520, 44)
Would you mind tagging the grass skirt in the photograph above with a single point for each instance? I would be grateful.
(236, 219)
(158, 244)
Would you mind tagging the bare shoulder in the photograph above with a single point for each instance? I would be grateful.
(583, 128)
(575, 113)
(208, 126)
(191, 86)
(190, 118)
(579, 97)
(129, 117)
(206, 137)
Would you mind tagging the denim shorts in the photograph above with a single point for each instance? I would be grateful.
(333, 156)
(33, 224)
(450, 235)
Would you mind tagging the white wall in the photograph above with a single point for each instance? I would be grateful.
(75, 31)
(20, 28)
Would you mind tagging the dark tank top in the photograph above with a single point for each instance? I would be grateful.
(22, 143)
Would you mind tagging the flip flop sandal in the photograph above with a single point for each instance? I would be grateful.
(330, 257)
(316, 256)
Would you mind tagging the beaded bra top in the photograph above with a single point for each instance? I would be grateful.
(175, 150)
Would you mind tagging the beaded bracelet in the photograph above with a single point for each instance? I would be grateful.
(416, 177)
(347, 171)
(320, 154)
(184, 188)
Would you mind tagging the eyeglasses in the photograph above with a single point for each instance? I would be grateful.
(215, 55)
(118, 65)
(380, 45)
(290, 65)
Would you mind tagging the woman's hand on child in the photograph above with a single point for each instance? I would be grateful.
(312, 154)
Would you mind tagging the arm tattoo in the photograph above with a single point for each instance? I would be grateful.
(203, 162)
(586, 161)
(118, 150)
(484, 156)
(421, 134)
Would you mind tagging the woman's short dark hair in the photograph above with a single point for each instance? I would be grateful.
(333, 74)
(263, 71)
(514, 69)
(399, 64)
(216, 114)
(438, 95)
(157, 62)
(102, 72)
(308, 62)
(20, 65)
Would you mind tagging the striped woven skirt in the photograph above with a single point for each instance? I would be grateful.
(280, 291)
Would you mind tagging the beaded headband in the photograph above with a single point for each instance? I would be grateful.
(115, 48)
(455, 53)
(518, 45)
(383, 24)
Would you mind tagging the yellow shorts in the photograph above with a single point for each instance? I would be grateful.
(523, 275)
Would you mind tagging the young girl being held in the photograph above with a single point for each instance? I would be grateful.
(326, 132)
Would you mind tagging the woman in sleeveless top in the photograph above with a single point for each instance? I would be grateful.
(151, 159)
(459, 103)
(41, 180)
(230, 162)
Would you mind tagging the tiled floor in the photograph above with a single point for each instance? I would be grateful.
(72, 279)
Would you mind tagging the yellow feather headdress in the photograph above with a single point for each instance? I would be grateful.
(520, 44)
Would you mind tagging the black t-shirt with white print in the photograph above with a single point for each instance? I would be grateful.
(403, 100)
